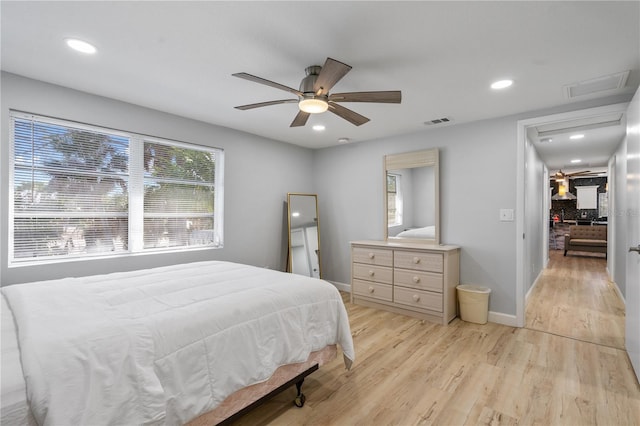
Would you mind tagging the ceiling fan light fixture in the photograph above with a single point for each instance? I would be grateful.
(313, 106)
(562, 190)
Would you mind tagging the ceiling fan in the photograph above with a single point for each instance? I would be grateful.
(560, 175)
(313, 95)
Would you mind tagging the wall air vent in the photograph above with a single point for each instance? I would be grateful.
(443, 120)
(601, 84)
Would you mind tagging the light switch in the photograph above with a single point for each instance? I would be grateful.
(506, 215)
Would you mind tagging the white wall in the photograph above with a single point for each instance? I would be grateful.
(477, 178)
(258, 174)
(618, 216)
(349, 182)
(536, 189)
(423, 196)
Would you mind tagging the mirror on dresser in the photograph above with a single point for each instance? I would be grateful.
(411, 201)
(304, 235)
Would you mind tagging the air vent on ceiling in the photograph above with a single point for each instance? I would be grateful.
(442, 120)
(601, 84)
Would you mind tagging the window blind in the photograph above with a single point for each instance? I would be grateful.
(179, 194)
(80, 191)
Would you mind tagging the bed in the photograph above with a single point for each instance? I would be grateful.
(169, 345)
(428, 232)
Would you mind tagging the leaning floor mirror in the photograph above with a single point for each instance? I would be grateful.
(304, 235)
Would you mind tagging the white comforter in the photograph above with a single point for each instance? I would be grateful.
(163, 345)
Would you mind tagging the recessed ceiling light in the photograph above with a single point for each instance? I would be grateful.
(318, 127)
(576, 161)
(502, 84)
(574, 137)
(80, 46)
(295, 214)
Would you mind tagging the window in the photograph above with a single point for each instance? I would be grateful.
(394, 200)
(82, 191)
(587, 197)
(603, 204)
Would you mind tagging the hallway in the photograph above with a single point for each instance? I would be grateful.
(574, 298)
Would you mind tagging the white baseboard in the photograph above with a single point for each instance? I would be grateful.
(535, 283)
(504, 319)
(496, 317)
(615, 286)
(342, 286)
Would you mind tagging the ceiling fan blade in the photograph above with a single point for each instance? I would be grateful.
(263, 104)
(260, 80)
(579, 173)
(332, 71)
(300, 120)
(351, 116)
(390, 97)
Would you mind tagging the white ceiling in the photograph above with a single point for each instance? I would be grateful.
(178, 57)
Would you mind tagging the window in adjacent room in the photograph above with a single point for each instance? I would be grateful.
(394, 199)
(587, 197)
(80, 191)
(603, 204)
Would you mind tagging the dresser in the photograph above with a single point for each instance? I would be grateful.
(408, 278)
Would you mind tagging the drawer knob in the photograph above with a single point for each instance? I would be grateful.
(371, 289)
(371, 255)
(416, 279)
(416, 298)
(371, 273)
(416, 260)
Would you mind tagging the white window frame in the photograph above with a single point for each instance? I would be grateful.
(399, 201)
(587, 197)
(135, 199)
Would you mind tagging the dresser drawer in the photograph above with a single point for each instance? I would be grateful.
(418, 298)
(379, 274)
(372, 290)
(418, 260)
(372, 256)
(418, 279)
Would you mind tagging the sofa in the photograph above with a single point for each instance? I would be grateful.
(586, 238)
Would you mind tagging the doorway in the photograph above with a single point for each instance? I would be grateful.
(570, 296)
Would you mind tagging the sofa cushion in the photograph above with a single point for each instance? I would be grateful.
(587, 242)
(588, 232)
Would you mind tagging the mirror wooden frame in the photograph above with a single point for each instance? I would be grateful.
(307, 238)
(408, 160)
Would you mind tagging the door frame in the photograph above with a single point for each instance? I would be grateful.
(521, 197)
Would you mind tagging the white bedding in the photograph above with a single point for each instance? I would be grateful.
(164, 345)
(428, 232)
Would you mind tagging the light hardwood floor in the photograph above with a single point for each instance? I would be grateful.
(410, 372)
(574, 298)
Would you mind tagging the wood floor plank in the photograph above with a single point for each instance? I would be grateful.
(574, 298)
(412, 372)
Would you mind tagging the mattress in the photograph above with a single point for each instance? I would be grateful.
(14, 409)
(165, 345)
(428, 232)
